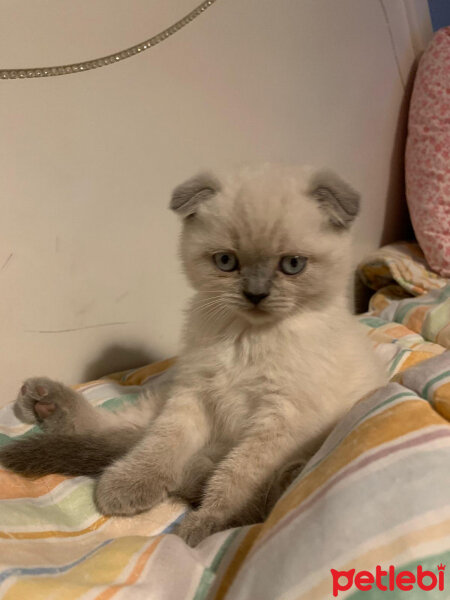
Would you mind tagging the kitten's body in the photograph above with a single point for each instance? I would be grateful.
(259, 383)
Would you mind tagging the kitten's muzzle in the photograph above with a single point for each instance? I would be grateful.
(256, 282)
(255, 298)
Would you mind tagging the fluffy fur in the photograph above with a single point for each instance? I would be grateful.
(270, 361)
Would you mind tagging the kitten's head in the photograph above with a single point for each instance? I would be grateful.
(267, 242)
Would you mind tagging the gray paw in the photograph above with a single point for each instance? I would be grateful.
(197, 525)
(47, 403)
(122, 490)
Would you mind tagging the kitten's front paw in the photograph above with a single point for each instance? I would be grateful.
(197, 525)
(46, 402)
(122, 490)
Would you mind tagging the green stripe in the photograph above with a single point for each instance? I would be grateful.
(429, 563)
(402, 310)
(75, 508)
(373, 321)
(5, 439)
(435, 320)
(432, 381)
(397, 359)
(209, 573)
(120, 401)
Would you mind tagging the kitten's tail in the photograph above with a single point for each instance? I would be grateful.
(75, 454)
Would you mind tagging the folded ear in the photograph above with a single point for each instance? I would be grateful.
(336, 198)
(189, 195)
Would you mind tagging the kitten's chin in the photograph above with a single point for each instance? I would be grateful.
(257, 316)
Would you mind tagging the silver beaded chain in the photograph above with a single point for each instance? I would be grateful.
(110, 59)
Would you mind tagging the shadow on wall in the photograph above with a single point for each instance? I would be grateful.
(116, 358)
(397, 222)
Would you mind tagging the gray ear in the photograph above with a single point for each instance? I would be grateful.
(336, 198)
(187, 196)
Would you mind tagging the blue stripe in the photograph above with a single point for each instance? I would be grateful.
(17, 571)
(49, 570)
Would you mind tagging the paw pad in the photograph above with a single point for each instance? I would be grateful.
(44, 409)
(39, 389)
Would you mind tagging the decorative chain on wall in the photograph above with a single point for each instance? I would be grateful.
(111, 58)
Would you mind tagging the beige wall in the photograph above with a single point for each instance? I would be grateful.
(88, 272)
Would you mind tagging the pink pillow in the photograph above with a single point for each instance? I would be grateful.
(428, 154)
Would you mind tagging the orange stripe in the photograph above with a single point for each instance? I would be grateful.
(91, 384)
(135, 377)
(415, 357)
(138, 376)
(33, 535)
(234, 566)
(134, 575)
(416, 318)
(15, 486)
(430, 347)
(397, 331)
(441, 400)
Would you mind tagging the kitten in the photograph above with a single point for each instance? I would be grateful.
(271, 359)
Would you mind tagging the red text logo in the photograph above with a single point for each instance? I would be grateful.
(388, 580)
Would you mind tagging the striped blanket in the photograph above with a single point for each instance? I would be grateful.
(376, 494)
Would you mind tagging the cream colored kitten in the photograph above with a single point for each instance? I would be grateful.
(271, 360)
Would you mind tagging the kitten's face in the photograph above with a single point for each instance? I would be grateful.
(262, 249)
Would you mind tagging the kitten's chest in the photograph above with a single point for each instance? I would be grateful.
(243, 376)
(233, 394)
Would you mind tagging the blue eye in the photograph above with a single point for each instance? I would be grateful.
(225, 261)
(291, 265)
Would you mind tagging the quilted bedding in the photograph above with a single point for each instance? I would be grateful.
(376, 493)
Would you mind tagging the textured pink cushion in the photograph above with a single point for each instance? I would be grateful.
(428, 154)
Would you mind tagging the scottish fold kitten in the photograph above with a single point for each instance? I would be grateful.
(271, 359)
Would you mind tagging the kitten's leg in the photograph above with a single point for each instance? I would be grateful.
(57, 408)
(239, 479)
(198, 470)
(68, 454)
(154, 467)
(79, 439)
(281, 481)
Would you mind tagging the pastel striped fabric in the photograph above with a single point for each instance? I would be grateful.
(376, 493)
(402, 263)
(399, 272)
